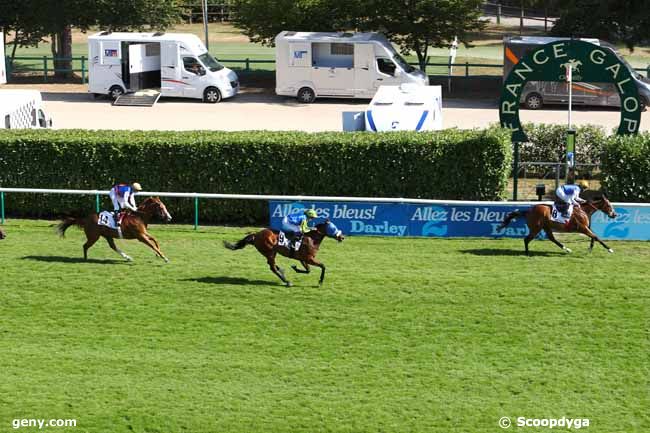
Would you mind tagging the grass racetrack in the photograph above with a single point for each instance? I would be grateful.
(406, 335)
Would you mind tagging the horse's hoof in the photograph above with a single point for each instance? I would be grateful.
(610, 250)
(128, 259)
(288, 284)
(568, 250)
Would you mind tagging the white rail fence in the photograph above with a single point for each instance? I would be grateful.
(196, 196)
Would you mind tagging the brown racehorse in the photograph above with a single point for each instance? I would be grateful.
(134, 226)
(538, 218)
(266, 242)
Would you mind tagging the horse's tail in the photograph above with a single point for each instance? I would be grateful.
(510, 217)
(67, 222)
(248, 240)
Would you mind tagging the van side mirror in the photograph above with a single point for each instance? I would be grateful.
(202, 71)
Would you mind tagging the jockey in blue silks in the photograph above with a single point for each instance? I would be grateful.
(297, 224)
(123, 197)
(570, 195)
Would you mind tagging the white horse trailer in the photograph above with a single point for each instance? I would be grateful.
(342, 65)
(22, 109)
(175, 64)
(405, 108)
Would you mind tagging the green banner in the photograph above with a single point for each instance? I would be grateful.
(590, 63)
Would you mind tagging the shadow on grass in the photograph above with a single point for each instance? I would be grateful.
(230, 280)
(500, 252)
(62, 259)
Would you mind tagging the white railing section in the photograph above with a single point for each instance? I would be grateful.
(299, 198)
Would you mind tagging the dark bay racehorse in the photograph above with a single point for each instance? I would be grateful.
(266, 242)
(134, 226)
(538, 218)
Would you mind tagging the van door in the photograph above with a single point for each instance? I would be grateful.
(170, 71)
(193, 77)
(364, 57)
(136, 66)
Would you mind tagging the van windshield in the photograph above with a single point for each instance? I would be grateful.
(210, 62)
(630, 68)
(403, 63)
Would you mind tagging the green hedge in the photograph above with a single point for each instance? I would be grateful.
(450, 164)
(548, 143)
(626, 168)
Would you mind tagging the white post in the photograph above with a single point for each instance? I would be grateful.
(569, 79)
(204, 5)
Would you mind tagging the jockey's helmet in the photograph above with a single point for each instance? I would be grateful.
(311, 213)
(136, 186)
(583, 184)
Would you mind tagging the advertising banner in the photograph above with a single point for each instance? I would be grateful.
(451, 220)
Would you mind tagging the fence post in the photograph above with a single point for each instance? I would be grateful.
(196, 213)
(83, 69)
(467, 69)
(2, 207)
(515, 169)
(498, 13)
(248, 65)
(97, 202)
(45, 69)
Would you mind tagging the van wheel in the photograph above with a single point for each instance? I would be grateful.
(211, 95)
(306, 95)
(534, 101)
(115, 92)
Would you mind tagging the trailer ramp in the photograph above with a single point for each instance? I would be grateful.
(141, 98)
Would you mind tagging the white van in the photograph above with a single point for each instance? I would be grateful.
(345, 65)
(406, 107)
(22, 109)
(177, 64)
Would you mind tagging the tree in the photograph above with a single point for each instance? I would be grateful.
(624, 21)
(56, 18)
(262, 20)
(415, 25)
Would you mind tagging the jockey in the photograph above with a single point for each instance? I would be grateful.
(569, 195)
(123, 197)
(295, 225)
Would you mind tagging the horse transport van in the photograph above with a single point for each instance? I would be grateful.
(175, 64)
(343, 65)
(22, 109)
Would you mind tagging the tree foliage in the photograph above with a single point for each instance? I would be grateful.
(33, 20)
(416, 25)
(624, 21)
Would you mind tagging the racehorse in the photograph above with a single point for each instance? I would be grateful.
(266, 242)
(538, 218)
(133, 226)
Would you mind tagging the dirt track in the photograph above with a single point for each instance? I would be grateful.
(71, 107)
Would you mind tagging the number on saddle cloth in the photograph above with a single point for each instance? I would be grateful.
(106, 219)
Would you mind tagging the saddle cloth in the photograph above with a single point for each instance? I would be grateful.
(106, 219)
(283, 241)
(556, 215)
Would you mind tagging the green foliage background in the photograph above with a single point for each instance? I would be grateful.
(449, 164)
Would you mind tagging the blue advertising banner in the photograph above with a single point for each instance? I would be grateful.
(451, 220)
